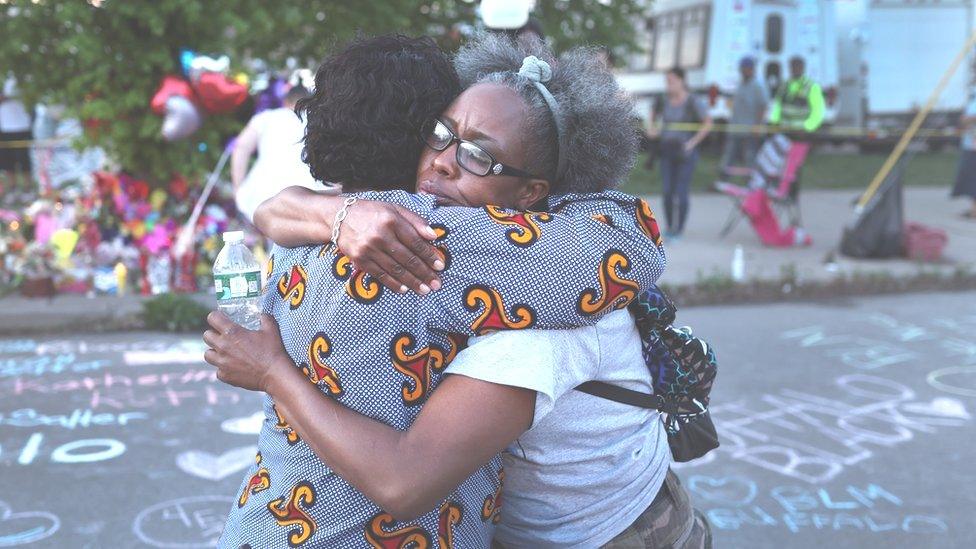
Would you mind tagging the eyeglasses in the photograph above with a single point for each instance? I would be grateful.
(469, 156)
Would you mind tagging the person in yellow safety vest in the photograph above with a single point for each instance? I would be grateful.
(799, 102)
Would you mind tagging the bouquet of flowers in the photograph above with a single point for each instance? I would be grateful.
(36, 261)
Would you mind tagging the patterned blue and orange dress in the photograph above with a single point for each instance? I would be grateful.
(382, 353)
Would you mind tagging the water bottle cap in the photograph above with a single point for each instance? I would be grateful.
(234, 236)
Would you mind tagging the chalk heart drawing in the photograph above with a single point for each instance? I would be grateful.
(206, 465)
(941, 406)
(725, 490)
(26, 526)
(248, 425)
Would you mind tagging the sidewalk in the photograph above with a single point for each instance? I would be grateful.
(699, 255)
(74, 313)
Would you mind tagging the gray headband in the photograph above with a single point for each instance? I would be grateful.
(538, 72)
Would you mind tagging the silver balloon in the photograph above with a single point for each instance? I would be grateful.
(181, 119)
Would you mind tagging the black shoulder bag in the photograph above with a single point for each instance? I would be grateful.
(683, 368)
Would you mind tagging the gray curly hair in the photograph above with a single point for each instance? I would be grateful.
(599, 142)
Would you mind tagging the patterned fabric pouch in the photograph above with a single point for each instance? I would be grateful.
(683, 368)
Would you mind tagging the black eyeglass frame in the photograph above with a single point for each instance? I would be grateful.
(496, 168)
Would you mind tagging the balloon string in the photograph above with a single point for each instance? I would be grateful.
(183, 242)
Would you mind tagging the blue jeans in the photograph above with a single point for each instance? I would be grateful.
(676, 171)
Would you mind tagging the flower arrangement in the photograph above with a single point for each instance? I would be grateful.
(77, 238)
(36, 261)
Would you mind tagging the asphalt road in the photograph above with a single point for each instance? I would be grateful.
(843, 425)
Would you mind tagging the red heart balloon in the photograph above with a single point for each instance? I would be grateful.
(218, 94)
(170, 86)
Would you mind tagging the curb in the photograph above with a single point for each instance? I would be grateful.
(22, 316)
(75, 314)
(727, 292)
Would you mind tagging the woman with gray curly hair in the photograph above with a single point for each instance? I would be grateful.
(580, 471)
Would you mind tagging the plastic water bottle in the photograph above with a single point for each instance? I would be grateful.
(237, 280)
(738, 266)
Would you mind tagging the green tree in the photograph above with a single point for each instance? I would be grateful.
(104, 59)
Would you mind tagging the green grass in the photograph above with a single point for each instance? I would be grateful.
(821, 171)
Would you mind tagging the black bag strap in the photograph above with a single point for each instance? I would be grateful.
(621, 395)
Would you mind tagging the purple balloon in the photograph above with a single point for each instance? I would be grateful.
(270, 98)
(280, 88)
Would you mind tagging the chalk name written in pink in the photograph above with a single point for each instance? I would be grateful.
(21, 386)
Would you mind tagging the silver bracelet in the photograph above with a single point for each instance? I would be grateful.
(340, 217)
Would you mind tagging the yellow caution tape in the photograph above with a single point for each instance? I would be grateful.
(28, 143)
(827, 131)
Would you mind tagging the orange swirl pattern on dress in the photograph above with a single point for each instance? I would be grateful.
(317, 370)
(418, 366)
(647, 222)
(448, 517)
(288, 512)
(523, 226)
(493, 503)
(494, 316)
(407, 537)
(283, 426)
(363, 288)
(259, 482)
(615, 292)
(292, 285)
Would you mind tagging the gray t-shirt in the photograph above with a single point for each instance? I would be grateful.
(692, 109)
(588, 467)
(749, 101)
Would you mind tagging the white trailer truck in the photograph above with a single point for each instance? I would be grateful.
(708, 38)
(892, 54)
(876, 60)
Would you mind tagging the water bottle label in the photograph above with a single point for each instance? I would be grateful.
(236, 285)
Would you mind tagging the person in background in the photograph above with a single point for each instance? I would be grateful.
(276, 135)
(799, 103)
(748, 109)
(678, 149)
(966, 176)
(15, 130)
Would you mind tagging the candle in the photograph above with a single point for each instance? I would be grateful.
(120, 276)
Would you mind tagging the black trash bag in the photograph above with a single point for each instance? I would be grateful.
(879, 230)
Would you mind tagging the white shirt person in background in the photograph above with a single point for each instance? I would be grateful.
(276, 135)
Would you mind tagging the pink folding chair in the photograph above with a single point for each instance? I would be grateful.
(756, 206)
(782, 189)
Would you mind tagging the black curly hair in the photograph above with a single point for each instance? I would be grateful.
(370, 101)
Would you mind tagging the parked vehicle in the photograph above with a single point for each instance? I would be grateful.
(876, 60)
(892, 54)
